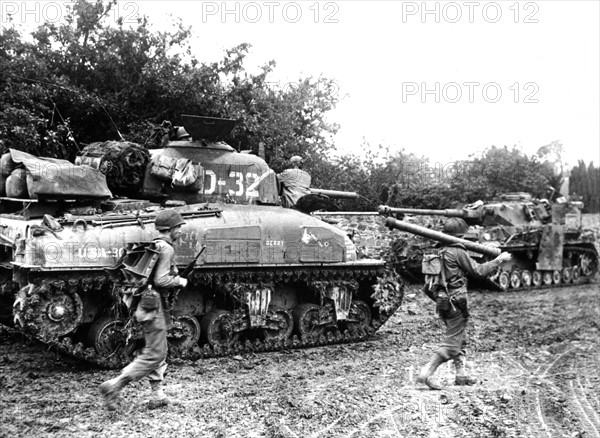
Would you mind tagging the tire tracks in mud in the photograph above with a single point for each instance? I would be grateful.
(580, 399)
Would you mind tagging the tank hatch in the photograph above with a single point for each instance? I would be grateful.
(208, 128)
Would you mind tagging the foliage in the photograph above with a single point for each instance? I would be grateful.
(406, 180)
(497, 171)
(87, 80)
(102, 81)
(584, 184)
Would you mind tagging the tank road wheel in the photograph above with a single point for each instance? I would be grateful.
(503, 280)
(515, 280)
(567, 275)
(536, 278)
(47, 312)
(280, 325)
(185, 332)
(360, 316)
(217, 328)
(575, 273)
(556, 277)
(547, 278)
(306, 320)
(526, 278)
(111, 337)
(585, 264)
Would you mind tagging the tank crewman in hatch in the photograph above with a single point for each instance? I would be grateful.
(453, 309)
(294, 182)
(154, 316)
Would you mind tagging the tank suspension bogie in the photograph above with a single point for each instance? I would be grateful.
(112, 337)
(218, 328)
(304, 308)
(536, 278)
(8, 292)
(185, 331)
(360, 316)
(279, 325)
(526, 278)
(517, 278)
(567, 274)
(310, 320)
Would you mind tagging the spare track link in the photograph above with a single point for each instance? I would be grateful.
(202, 276)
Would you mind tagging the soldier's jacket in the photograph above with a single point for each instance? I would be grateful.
(458, 265)
(295, 184)
(165, 271)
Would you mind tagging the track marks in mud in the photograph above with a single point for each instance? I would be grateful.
(578, 396)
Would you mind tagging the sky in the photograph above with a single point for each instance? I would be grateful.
(438, 79)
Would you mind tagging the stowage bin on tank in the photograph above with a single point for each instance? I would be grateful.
(547, 241)
(269, 277)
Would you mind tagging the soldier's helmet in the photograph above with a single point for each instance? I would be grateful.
(167, 219)
(455, 226)
(182, 134)
(296, 159)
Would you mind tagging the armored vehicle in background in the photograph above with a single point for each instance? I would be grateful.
(547, 241)
(267, 278)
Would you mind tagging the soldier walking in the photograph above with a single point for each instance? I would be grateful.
(453, 309)
(154, 316)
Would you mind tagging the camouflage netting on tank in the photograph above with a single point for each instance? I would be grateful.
(123, 163)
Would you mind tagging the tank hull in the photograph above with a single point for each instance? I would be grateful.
(266, 279)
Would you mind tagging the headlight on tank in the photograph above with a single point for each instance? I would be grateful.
(350, 250)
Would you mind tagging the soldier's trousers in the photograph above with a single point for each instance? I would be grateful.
(455, 338)
(151, 362)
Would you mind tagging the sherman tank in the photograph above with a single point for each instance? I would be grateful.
(261, 277)
(547, 241)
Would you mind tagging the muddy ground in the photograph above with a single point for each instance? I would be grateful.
(535, 355)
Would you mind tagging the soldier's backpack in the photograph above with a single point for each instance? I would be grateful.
(432, 267)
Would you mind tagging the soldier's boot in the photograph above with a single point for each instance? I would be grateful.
(111, 389)
(426, 374)
(159, 398)
(462, 378)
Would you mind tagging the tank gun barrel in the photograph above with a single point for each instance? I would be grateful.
(450, 212)
(338, 194)
(440, 237)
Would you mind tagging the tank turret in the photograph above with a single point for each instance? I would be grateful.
(511, 209)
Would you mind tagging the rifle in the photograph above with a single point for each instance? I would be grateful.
(172, 298)
(190, 267)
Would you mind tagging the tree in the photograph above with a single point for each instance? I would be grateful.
(102, 81)
(584, 184)
(551, 156)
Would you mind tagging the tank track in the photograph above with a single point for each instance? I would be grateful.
(388, 294)
(8, 290)
(558, 281)
(409, 267)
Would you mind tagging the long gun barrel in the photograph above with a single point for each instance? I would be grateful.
(335, 193)
(440, 237)
(465, 214)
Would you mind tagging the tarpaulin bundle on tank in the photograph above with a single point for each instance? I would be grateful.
(182, 172)
(123, 163)
(52, 177)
